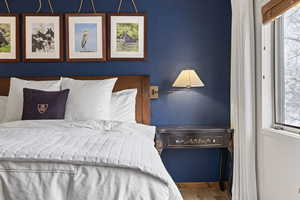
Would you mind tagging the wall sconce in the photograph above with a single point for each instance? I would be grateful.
(188, 78)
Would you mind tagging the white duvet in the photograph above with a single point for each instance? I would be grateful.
(92, 160)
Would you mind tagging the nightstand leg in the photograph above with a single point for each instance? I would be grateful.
(223, 161)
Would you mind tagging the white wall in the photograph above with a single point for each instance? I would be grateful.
(278, 152)
(281, 166)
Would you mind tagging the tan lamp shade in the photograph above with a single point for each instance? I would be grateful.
(188, 78)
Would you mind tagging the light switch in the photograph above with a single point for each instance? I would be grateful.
(154, 92)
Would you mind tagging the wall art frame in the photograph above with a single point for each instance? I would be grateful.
(86, 37)
(43, 37)
(9, 38)
(127, 36)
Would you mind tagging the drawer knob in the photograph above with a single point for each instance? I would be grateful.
(178, 141)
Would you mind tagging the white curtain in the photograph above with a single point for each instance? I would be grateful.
(243, 100)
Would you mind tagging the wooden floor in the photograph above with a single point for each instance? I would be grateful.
(201, 191)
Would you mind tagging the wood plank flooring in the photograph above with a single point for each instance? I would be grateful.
(201, 191)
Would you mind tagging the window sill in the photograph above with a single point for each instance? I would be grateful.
(274, 132)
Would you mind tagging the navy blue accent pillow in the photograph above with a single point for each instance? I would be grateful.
(39, 105)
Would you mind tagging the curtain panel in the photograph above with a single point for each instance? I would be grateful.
(243, 104)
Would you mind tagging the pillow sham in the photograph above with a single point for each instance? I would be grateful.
(123, 105)
(3, 104)
(88, 99)
(15, 98)
(40, 104)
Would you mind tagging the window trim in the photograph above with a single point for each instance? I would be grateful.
(265, 88)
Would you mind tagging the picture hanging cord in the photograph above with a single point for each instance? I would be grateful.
(93, 6)
(50, 6)
(133, 3)
(6, 4)
(40, 6)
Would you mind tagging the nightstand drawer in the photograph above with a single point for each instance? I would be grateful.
(193, 137)
(195, 141)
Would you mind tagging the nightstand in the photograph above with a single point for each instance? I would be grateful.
(199, 137)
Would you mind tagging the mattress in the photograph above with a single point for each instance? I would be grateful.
(88, 160)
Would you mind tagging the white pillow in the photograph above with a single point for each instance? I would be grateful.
(123, 105)
(14, 107)
(88, 99)
(3, 102)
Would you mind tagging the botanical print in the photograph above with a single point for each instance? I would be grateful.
(5, 38)
(43, 38)
(86, 37)
(127, 37)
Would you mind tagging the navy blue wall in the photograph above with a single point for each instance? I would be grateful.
(182, 34)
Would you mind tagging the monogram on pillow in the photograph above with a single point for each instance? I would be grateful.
(42, 108)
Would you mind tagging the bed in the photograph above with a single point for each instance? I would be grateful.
(84, 160)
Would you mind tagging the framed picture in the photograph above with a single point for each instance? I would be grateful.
(9, 38)
(43, 37)
(86, 37)
(127, 37)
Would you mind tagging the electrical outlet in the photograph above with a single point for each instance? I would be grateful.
(154, 92)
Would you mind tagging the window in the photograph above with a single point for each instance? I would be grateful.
(287, 68)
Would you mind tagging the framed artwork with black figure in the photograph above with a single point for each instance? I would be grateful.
(43, 36)
(127, 33)
(9, 36)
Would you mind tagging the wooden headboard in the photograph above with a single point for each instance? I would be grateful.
(142, 83)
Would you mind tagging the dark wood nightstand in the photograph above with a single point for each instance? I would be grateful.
(199, 137)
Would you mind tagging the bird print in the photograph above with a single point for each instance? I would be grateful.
(84, 39)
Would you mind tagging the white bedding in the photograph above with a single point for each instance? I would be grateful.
(92, 160)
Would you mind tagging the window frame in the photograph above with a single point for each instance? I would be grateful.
(278, 61)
